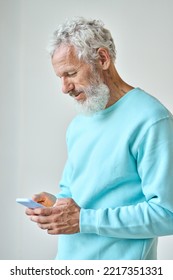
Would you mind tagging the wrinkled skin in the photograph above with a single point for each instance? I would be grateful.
(60, 216)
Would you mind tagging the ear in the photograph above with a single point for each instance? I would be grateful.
(104, 58)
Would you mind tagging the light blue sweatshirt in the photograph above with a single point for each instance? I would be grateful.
(120, 172)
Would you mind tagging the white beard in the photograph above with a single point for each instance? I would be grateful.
(97, 97)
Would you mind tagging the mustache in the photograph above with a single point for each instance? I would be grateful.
(93, 82)
(76, 92)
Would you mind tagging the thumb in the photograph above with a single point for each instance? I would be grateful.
(38, 198)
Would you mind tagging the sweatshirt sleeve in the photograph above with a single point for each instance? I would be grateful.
(65, 182)
(154, 216)
(66, 177)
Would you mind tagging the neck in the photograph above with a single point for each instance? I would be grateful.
(118, 88)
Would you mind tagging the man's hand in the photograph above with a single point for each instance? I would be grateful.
(62, 218)
(45, 199)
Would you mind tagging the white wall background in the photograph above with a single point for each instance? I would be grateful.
(34, 114)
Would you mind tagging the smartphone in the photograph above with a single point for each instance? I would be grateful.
(29, 203)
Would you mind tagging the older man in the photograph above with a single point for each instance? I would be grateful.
(116, 193)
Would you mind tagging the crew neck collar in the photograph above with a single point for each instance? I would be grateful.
(113, 106)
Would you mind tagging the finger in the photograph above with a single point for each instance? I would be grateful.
(64, 229)
(47, 211)
(58, 230)
(29, 211)
(40, 219)
(45, 226)
(38, 197)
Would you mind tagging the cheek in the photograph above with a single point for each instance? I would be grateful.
(84, 77)
(82, 82)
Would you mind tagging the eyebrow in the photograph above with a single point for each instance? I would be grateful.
(69, 70)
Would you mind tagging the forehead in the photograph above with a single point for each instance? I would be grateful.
(65, 59)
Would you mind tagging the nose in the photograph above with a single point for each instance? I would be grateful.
(67, 86)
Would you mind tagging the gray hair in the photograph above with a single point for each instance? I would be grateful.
(87, 36)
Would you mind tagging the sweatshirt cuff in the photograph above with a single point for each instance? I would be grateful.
(88, 221)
